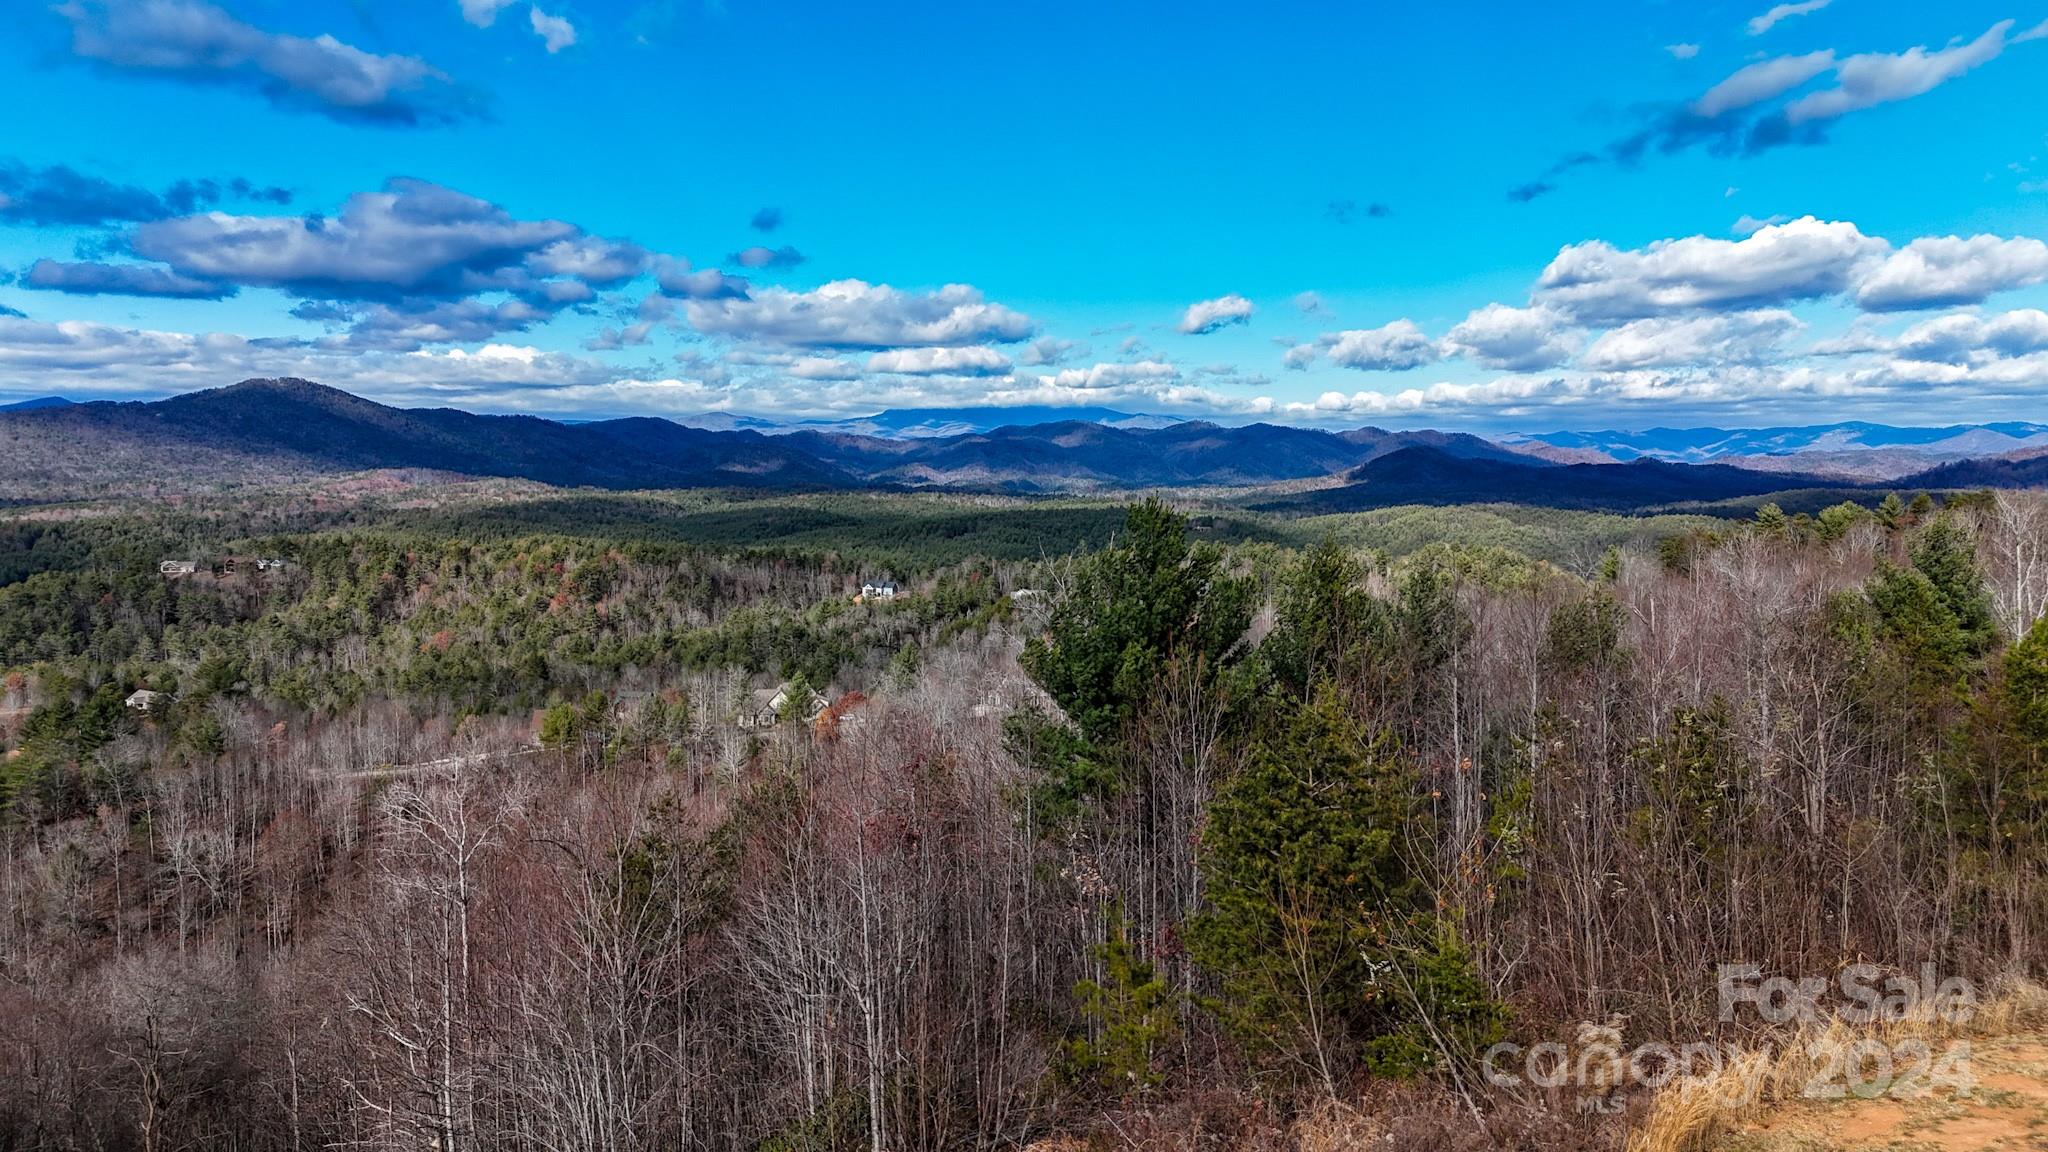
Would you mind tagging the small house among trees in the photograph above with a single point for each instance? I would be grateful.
(231, 565)
(766, 707)
(177, 567)
(877, 590)
(145, 701)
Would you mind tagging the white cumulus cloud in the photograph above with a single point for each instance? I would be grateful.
(1962, 337)
(1668, 342)
(1112, 376)
(1936, 271)
(974, 360)
(856, 314)
(1780, 263)
(1513, 339)
(555, 31)
(1394, 347)
(1206, 316)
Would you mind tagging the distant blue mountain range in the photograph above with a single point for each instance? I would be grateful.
(261, 427)
(918, 423)
(1848, 448)
(1679, 445)
(1692, 445)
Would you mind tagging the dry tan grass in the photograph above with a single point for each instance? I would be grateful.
(1688, 1114)
(1692, 1110)
(1332, 1126)
(2017, 1006)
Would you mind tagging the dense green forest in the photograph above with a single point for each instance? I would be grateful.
(478, 822)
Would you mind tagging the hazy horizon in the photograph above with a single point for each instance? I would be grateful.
(1045, 413)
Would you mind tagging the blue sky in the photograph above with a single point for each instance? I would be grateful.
(1506, 217)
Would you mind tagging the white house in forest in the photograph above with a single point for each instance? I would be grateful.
(878, 590)
(145, 701)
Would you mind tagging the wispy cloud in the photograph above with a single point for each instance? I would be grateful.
(1760, 106)
(1875, 78)
(96, 279)
(1746, 224)
(1051, 350)
(1759, 25)
(1761, 81)
(483, 13)
(196, 42)
(760, 256)
(61, 196)
(1345, 211)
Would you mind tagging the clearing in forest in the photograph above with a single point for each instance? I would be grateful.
(2005, 1112)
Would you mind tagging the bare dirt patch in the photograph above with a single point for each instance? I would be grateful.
(2005, 1111)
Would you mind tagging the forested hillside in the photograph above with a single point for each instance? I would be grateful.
(481, 828)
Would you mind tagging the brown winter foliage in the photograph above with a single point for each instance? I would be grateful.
(335, 893)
